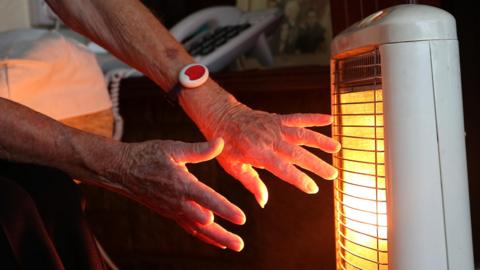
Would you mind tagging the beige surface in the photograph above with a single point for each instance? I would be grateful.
(51, 74)
(14, 14)
(99, 123)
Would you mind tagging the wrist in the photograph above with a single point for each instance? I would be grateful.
(207, 104)
(96, 160)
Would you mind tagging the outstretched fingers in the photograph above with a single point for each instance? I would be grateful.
(290, 174)
(210, 199)
(303, 136)
(195, 212)
(250, 179)
(218, 234)
(197, 152)
(306, 119)
(307, 160)
(190, 229)
(213, 234)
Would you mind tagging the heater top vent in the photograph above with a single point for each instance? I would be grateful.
(357, 73)
(400, 23)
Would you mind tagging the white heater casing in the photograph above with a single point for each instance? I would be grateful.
(425, 158)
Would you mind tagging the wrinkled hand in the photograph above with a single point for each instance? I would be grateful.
(273, 142)
(154, 174)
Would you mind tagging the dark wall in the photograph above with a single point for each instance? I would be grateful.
(345, 13)
(172, 11)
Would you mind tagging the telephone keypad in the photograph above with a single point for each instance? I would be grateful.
(212, 40)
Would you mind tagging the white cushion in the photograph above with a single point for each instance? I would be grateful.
(51, 74)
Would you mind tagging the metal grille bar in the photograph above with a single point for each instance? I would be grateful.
(360, 189)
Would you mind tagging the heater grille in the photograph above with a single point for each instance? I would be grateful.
(360, 189)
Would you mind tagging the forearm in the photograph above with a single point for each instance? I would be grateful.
(129, 30)
(29, 137)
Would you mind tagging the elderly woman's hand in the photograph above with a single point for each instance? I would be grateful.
(154, 174)
(273, 142)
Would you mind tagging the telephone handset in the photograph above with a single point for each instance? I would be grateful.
(215, 36)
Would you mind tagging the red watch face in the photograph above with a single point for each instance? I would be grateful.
(193, 75)
(195, 72)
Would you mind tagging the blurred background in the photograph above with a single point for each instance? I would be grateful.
(294, 231)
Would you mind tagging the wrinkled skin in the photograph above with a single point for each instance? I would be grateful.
(273, 142)
(252, 138)
(154, 174)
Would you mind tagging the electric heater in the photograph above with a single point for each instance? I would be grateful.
(401, 197)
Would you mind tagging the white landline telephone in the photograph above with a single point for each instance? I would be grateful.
(215, 36)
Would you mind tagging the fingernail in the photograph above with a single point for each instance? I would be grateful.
(207, 219)
(333, 147)
(312, 188)
(218, 144)
(237, 246)
(262, 200)
(334, 175)
(262, 204)
(242, 219)
(338, 147)
(211, 218)
(218, 141)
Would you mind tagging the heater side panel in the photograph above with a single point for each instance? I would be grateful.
(415, 220)
(451, 139)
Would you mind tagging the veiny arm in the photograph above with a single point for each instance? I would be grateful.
(252, 138)
(152, 173)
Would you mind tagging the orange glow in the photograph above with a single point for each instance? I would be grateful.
(360, 189)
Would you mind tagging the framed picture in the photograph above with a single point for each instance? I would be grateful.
(302, 38)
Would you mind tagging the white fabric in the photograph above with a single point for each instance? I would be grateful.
(51, 74)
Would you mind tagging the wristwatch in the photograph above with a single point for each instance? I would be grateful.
(191, 76)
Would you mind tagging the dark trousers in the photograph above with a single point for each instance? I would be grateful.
(42, 224)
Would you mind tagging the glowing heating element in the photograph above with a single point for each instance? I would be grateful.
(397, 106)
(360, 189)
